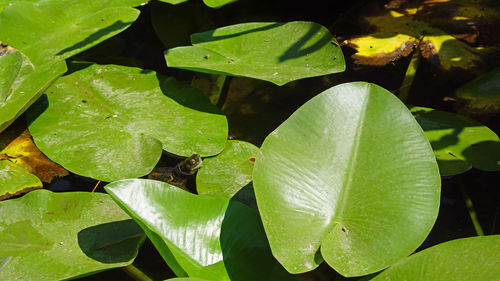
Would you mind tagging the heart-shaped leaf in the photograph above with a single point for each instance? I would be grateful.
(22, 84)
(59, 29)
(54, 236)
(275, 52)
(351, 172)
(110, 122)
(459, 143)
(226, 173)
(474, 258)
(200, 236)
(483, 93)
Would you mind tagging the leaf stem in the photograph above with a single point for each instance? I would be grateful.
(404, 91)
(224, 90)
(136, 273)
(472, 211)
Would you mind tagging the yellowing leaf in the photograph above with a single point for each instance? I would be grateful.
(398, 34)
(25, 154)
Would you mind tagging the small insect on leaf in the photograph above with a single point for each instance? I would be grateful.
(252, 159)
(207, 56)
(5, 156)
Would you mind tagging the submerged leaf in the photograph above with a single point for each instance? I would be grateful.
(111, 122)
(55, 236)
(275, 52)
(483, 93)
(351, 175)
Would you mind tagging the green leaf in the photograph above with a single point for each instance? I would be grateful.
(16, 180)
(275, 52)
(54, 236)
(110, 122)
(226, 173)
(22, 84)
(474, 258)
(58, 29)
(458, 142)
(209, 3)
(351, 172)
(483, 93)
(199, 236)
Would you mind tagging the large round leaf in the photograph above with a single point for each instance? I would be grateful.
(475, 258)
(351, 172)
(226, 173)
(458, 142)
(15, 180)
(275, 52)
(200, 236)
(109, 122)
(67, 26)
(54, 236)
(21, 84)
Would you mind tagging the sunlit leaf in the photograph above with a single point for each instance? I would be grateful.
(200, 236)
(350, 174)
(55, 236)
(209, 3)
(29, 157)
(22, 83)
(474, 258)
(397, 35)
(275, 52)
(57, 29)
(111, 122)
(459, 143)
(226, 173)
(15, 180)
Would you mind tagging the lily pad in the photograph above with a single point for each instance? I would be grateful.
(15, 180)
(209, 3)
(483, 93)
(111, 122)
(474, 258)
(67, 27)
(226, 173)
(398, 34)
(459, 143)
(26, 155)
(22, 84)
(55, 236)
(350, 174)
(200, 236)
(271, 51)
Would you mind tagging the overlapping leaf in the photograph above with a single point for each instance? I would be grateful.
(111, 122)
(55, 236)
(398, 34)
(209, 3)
(16, 180)
(200, 236)
(226, 173)
(53, 29)
(475, 258)
(22, 83)
(350, 174)
(275, 52)
(459, 143)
